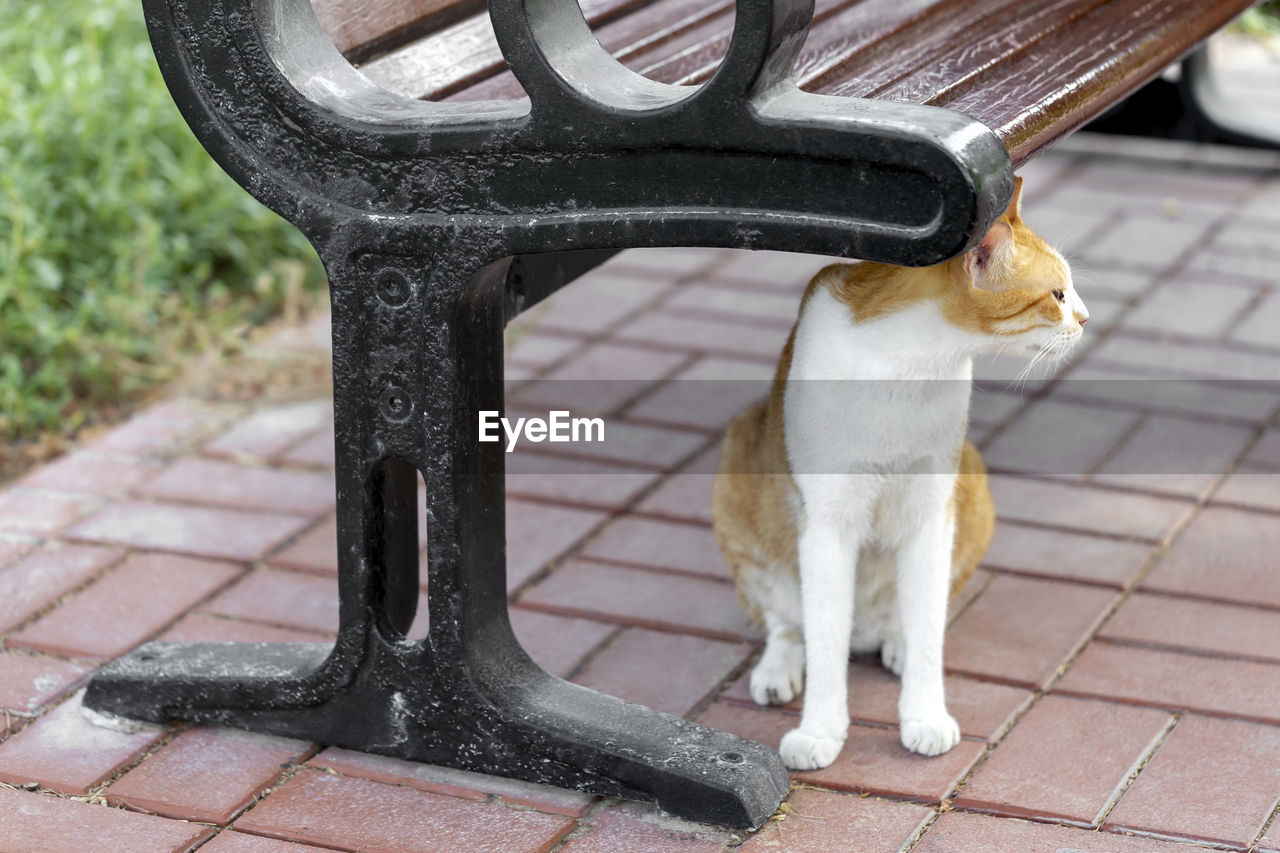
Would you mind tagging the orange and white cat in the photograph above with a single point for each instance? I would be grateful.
(849, 503)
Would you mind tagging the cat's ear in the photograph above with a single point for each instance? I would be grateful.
(1014, 211)
(985, 262)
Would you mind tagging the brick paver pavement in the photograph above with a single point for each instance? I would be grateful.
(1115, 666)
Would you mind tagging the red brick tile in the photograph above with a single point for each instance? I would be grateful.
(126, 606)
(64, 752)
(1185, 360)
(287, 599)
(316, 451)
(207, 481)
(313, 551)
(11, 549)
(1265, 453)
(1142, 243)
(557, 643)
(1225, 554)
(40, 513)
(1065, 555)
(268, 432)
(27, 682)
(1178, 682)
(982, 708)
(1021, 630)
(1056, 437)
(155, 431)
(48, 824)
(1198, 308)
(1181, 623)
(357, 814)
(960, 832)
(90, 474)
(537, 350)
(659, 544)
(1037, 771)
(631, 829)
(684, 497)
(456, 783)
(1252, 488)
(576, 481)
(637, 597)
(672, 264)
(204, 628)
(1086, 509)
(206, 774)
(1174, 456)
(1127, 387)
(717, 301)
(538, 534)
(598, 379)
(1259, 325)
(820, 820)
(199, 531)
(43, 576)
(707, 395)
(598, 301)
(1213, 780)
(873, 760)
(974, 587)
(238, 842)
(787, 271)
(670, 672)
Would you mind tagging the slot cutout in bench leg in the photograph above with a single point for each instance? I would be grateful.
(470, 697)
(393, 510)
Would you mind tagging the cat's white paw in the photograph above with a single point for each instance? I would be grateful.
(892, 654)
(803, 751)
(930, 735)
(778, 678)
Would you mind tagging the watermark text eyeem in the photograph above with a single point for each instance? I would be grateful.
(558, 426)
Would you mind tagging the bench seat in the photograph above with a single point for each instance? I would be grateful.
(1032, 70)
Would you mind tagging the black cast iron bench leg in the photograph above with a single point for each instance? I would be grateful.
(417, 352)
(438, 222)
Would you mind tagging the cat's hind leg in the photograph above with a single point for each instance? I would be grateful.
(778, 677)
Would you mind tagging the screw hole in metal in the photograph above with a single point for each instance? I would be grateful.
(392, 287)
(395, 403)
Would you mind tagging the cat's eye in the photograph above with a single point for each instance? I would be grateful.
(1059, 295)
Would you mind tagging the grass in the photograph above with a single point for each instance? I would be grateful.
(123, 247)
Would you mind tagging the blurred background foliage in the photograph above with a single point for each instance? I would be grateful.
(1262, 20)
(123, 247)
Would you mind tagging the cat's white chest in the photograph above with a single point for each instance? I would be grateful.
(886, 397)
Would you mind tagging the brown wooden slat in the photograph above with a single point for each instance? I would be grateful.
(361, 28)
(664, 26)
(465, 54)
(1078, 72)
(950, 70)
(1034, 70)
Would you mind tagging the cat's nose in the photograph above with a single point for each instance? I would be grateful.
(1082, 320)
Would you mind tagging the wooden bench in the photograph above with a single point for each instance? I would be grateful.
(438, 221)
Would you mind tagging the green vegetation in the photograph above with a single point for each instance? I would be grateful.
(1262, 20)
(122, 245)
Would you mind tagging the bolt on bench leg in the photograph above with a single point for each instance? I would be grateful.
(416, 355)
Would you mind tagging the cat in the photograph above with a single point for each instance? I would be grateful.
(858, 459)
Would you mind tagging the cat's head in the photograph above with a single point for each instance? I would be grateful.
(1017, 290)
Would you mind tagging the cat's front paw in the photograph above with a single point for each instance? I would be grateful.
(777, 679)
(930, 735)
(803, 751)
